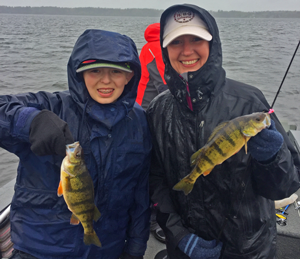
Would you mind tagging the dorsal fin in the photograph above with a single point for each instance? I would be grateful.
(217, 129)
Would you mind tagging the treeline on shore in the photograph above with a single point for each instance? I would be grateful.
(142, 12)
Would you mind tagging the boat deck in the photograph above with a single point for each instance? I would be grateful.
(153, 247)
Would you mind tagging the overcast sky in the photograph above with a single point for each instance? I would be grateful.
(212, 5)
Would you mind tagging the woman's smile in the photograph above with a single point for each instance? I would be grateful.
(189, 63)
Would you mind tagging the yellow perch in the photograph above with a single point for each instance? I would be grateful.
(77, 188)
(226, 140)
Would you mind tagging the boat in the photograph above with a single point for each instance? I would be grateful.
(288, 231)
(6, 246)
(288, 234)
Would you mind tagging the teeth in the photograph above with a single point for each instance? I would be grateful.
(105, 91)
(189, 62)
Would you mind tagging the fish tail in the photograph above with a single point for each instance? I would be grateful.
(186, 185)
(91, 238)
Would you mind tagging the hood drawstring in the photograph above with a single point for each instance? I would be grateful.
(188, 95)
(125, 103)
(79, 130)
(82, 119)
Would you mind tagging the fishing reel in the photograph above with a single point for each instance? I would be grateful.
(281, 222)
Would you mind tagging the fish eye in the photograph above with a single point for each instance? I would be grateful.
(257, 119)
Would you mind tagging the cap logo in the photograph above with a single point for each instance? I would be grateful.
(184, 16)
(89, 61)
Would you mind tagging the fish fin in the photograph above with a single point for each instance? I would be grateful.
(97, 214)
(92, 238)
(74, 220)
(186, 185)
(60, 189)
(207, 172)
(217, 129)
(68, 186)
(246, 140)
(194, 157)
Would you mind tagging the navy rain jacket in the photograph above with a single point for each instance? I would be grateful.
(116, 143)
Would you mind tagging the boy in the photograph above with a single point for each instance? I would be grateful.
(99, 111)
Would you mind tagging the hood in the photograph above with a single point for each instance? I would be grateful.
(109, 46)
(202, 82)
(152, 32)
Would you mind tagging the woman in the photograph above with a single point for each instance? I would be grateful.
(229, 213)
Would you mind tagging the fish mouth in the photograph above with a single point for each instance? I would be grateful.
(71, 147)
(74, 152)
(267, 120)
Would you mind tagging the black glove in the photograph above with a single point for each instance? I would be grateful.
(265, 144)
(49, 134)
(128, 256)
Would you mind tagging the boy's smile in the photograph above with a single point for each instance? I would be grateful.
(105, 85)
(105, 92)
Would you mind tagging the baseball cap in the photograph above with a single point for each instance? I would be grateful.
(184, 22)
(94, 63)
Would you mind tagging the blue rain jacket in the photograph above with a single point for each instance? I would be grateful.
(116, 143)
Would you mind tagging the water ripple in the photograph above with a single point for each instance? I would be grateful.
(35, 49)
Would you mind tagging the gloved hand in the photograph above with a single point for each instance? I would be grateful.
(49, 135)
(128, 256)
(195, 247)
(265, 144)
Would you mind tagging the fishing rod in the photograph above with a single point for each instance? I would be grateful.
(285, 75)
(270, 111)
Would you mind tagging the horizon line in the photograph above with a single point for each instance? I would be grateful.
(146, 8)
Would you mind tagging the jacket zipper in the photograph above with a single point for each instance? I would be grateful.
(188, 95)
(201, 134)
(200, 143)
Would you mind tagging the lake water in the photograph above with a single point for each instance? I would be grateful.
(34, 51)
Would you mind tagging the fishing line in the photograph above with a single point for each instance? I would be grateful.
(239, 206)
(285, 74)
